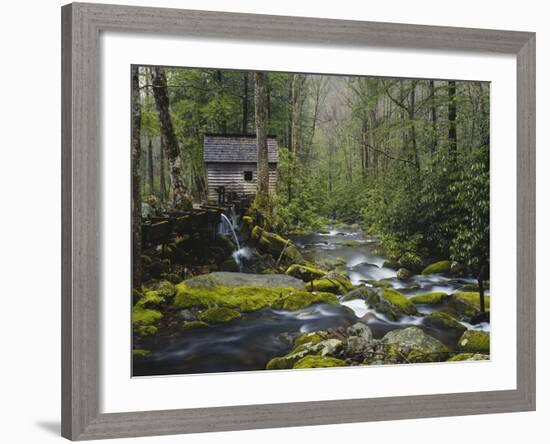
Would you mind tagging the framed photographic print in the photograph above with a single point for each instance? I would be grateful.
(263, 215)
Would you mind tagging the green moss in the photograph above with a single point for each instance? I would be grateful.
(304, 272)
(444, 321)
(218, 315)
(384, 283)
(288, 361)
(308, 338)
(466, 303)
(325, 285)
(312, 361)
(429, 298)
(150, 299)
(301, 299)
(139, 353)
(335, 282)
(274, 244)
(246, 299)
(472, 298)
(136, 295)
(147, 330)
(339, 261)
(400, 301)
(474, 341)
(437, 267)
(166, 289)
(189, 325)
(279, 363)
(144, 320)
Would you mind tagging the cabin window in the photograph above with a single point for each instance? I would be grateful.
(248, 176)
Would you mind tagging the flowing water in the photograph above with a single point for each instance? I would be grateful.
(227, 227)
(250, 342)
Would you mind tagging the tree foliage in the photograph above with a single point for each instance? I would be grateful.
(407, 159)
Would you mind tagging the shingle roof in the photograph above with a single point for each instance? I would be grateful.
(230, 149)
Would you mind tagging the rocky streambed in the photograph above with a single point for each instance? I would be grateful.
(334, 301)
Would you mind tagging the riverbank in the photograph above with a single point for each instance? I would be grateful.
(338, 302)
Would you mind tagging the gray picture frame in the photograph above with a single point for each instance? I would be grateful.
(81, 182)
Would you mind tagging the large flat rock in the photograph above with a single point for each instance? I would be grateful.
(229, 279)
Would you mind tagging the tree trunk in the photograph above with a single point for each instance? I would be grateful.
(260, 103)
(162, 177)
(433, 115)
(150, 167)
(244, 126)
(181, 199)
(219, 80)
(452, 120)
(365, 148)
(136, 180)
(412, 116)
(480, 287)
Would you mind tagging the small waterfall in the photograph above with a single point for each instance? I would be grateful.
(231, 230)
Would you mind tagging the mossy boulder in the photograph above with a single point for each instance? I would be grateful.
(312, 338)
(207, 292)
(466, 303)
(329, 347)
(433, 298)
(403, 274)
(411, 344)
(227, 279)
(191, 325)
(304, 272)
(288, 361)
(300, 299)
(363, 293)
(386, 301)
(474, 341)
(438, 267)
(276, 245)
(444, 321)
(469, 357)
(473, 287)
(145, 320)
(136, 295)
(382, 283)
(165, 289)
(360, 330)
(319, 362)
(399, 301)
(336, 285)
(218, 315)
(151, 299)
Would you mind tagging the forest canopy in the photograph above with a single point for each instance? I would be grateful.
(406, 159)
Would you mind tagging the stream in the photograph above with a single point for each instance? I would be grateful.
(250, 342)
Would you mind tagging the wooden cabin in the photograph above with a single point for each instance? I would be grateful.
(230, 162)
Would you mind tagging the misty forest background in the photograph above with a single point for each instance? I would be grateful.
(406, 159)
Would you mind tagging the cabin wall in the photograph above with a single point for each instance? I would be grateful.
(231, 176)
